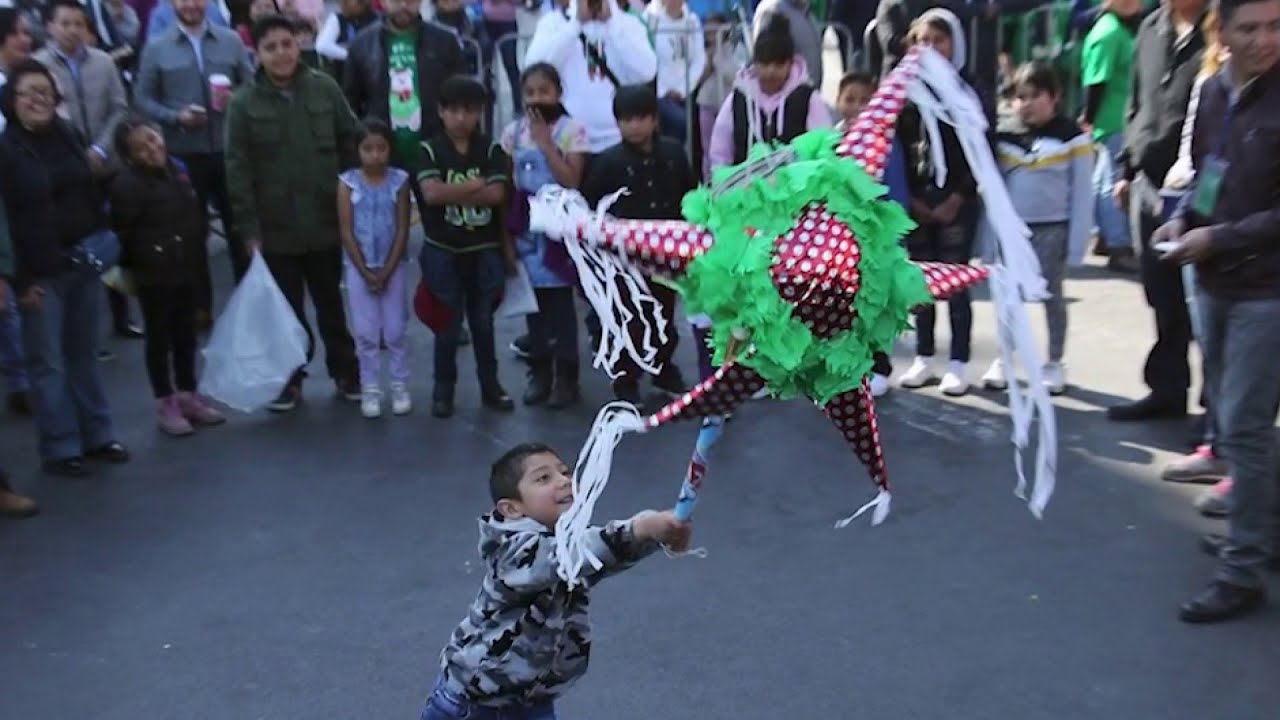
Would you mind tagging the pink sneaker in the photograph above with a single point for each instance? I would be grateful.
(199, 411)
(1199, 467)
(1215, 502)
(170, 418)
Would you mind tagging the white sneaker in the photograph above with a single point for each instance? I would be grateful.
(1054, 378)
(994, 378)
(401, 404)
(879, 384)
(954, 383)
(371, 402)
(920, 373)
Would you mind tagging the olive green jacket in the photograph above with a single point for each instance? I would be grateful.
(284, 151)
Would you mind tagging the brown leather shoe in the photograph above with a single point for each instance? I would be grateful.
(14, 505)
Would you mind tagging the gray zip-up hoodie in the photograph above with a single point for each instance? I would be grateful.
(526, 637)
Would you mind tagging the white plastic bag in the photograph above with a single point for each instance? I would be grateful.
(518, 297)
(256, 344)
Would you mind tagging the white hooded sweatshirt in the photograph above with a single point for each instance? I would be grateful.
(622, 41)
(682, 52)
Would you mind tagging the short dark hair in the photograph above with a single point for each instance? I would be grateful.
(126, 127)
(1227, 8)
(463, 91)
(857, 77)
(8, 22)
(51, 9)
(774, 44)
(9, 93)
(374, 126)
(265, 24)
(504, 477)
(1040, 76)
(631, 101)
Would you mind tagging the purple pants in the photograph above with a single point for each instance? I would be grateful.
(377, 318)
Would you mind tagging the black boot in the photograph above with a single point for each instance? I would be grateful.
(539, 388)
(566, 392)
(442, 400)
(494, 397)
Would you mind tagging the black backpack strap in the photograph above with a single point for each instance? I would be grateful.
(594, 55)
(740, 125)
(795, 113)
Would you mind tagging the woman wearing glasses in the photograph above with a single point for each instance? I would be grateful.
(58, 223)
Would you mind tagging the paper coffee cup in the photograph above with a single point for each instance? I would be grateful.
(219, 92)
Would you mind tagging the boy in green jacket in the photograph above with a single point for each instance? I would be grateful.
(288, 136)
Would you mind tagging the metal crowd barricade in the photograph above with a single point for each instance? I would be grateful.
(713, 37)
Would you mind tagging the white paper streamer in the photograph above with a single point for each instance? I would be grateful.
(564, 215)
(590, 476)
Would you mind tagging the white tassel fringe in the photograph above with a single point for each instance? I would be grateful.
(563, 214)
(879, 506)
(942, 96)
(590, 476)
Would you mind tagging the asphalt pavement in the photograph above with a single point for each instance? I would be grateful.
(311, 565)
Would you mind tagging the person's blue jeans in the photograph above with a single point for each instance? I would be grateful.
(949, 244)
(673, 119)
(61, 336)
(497, 30)
(444, 704)
(469, 284)
(1240, 342)
(12, 362)
(1113, 223)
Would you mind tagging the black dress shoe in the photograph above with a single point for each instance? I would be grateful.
(1222, 601)
(20, 403)
(129, 331)
(442, 400)
(1212, 543)
(72, 467)
(112, 452)
(495, 398)
(442, 407)
(1148, 408)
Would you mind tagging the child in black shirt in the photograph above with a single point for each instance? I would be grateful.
(464, 181)
(657, 175)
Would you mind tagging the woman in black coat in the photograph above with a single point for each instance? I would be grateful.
(58, 221)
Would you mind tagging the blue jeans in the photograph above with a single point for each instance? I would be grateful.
(61, 339)
(447, 705)
(673, 118)
(1240, 342)
(950, 244)
(1113, 223)
(469, 284)
(12, 363)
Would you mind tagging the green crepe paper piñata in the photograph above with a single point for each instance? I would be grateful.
(732, 283)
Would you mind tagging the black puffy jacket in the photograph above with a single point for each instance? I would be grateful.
(157, 216)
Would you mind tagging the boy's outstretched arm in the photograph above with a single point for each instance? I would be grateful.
(528, 562)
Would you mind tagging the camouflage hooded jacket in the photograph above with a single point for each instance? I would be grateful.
(526, 637)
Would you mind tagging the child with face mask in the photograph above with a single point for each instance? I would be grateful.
(546, 146)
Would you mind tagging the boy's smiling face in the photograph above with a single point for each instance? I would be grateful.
(546, 490)
(852, 99)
